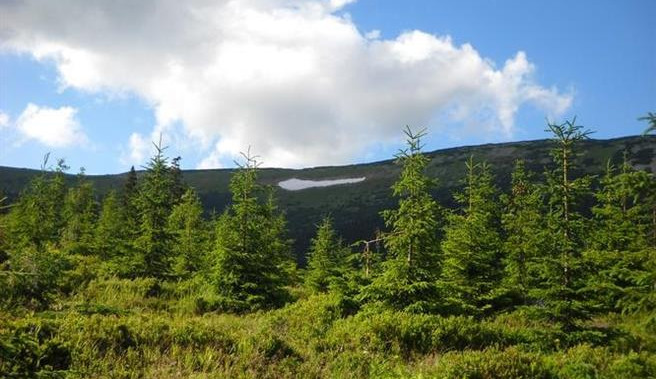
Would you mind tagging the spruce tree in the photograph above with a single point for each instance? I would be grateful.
(472, 246)
(128, 198)
(523, 227)
(327, 260)
(154, 203)
(36, 218)
(408, 278)
(620, 242)
(561, 272)
(252, 257)
(111, 234)
(79, 214)
(190, 235)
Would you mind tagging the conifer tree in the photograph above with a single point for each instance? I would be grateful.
(36, 218)
(79, 214)
(190, 235)
(561, 270)
(472, 246)
(523, 227)
(128, 199)
(327, 260)
(111, 234)
(621, 234)
(178, 187)
(408, 279)
(252, 257)
(154, 204)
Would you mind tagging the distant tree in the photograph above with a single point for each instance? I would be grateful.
(651, 119)
(190, 235)
(327, 267)
(154, 203)
(178, 186)
(251, 255)
(523, 226)
(561, 271)
(472, 246)
(79, 214)
(408, 278)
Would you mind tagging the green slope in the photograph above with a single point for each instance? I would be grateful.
(355, 207)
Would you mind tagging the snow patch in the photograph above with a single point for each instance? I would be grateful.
(295, 184)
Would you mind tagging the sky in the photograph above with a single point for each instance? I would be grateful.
(311, 82)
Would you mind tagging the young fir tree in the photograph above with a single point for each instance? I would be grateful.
(327, 260)
(408, 278)
(523, 227)
(112, 234)
(620, 240)
(154, 203)
(190, 235)
(472, 246)
(252, 257)
(561, 272)
(178, 186)
(79, 214)
(36, 218)
(128, 198)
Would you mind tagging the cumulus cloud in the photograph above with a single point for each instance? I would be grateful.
(54, 127)
(295, 79)
(4, 120)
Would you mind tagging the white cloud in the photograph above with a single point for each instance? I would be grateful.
(4, 120)
(295, 79)
(54, 127)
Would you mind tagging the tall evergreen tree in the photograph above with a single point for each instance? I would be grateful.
(111, 234)
(620, 240)
(128, 198)
(154, 203)
(178, 186)
(408, 280)
(327, 260)
(79, 214)
(36, 218)
(523, 227)
(472, 246)
(252, 257)
(190, 235)
(561, 271)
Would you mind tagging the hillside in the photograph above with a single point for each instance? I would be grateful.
(356, 207)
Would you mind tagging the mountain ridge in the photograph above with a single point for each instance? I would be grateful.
(355, 207)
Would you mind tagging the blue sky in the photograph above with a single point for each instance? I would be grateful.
(312, 82)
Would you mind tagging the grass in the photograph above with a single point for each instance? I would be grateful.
(140, 328)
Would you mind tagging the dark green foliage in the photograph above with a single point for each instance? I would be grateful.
(623, 211)
(190, 236)
(154, 203)
(327, 267)
(113, 238)
(128, 198)
(410, 272)
(523, 226)
(651, 119)
(33, 276)
(36, 219)
(251, 255)
(561, 271)
(472, 246)
(79, 214)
